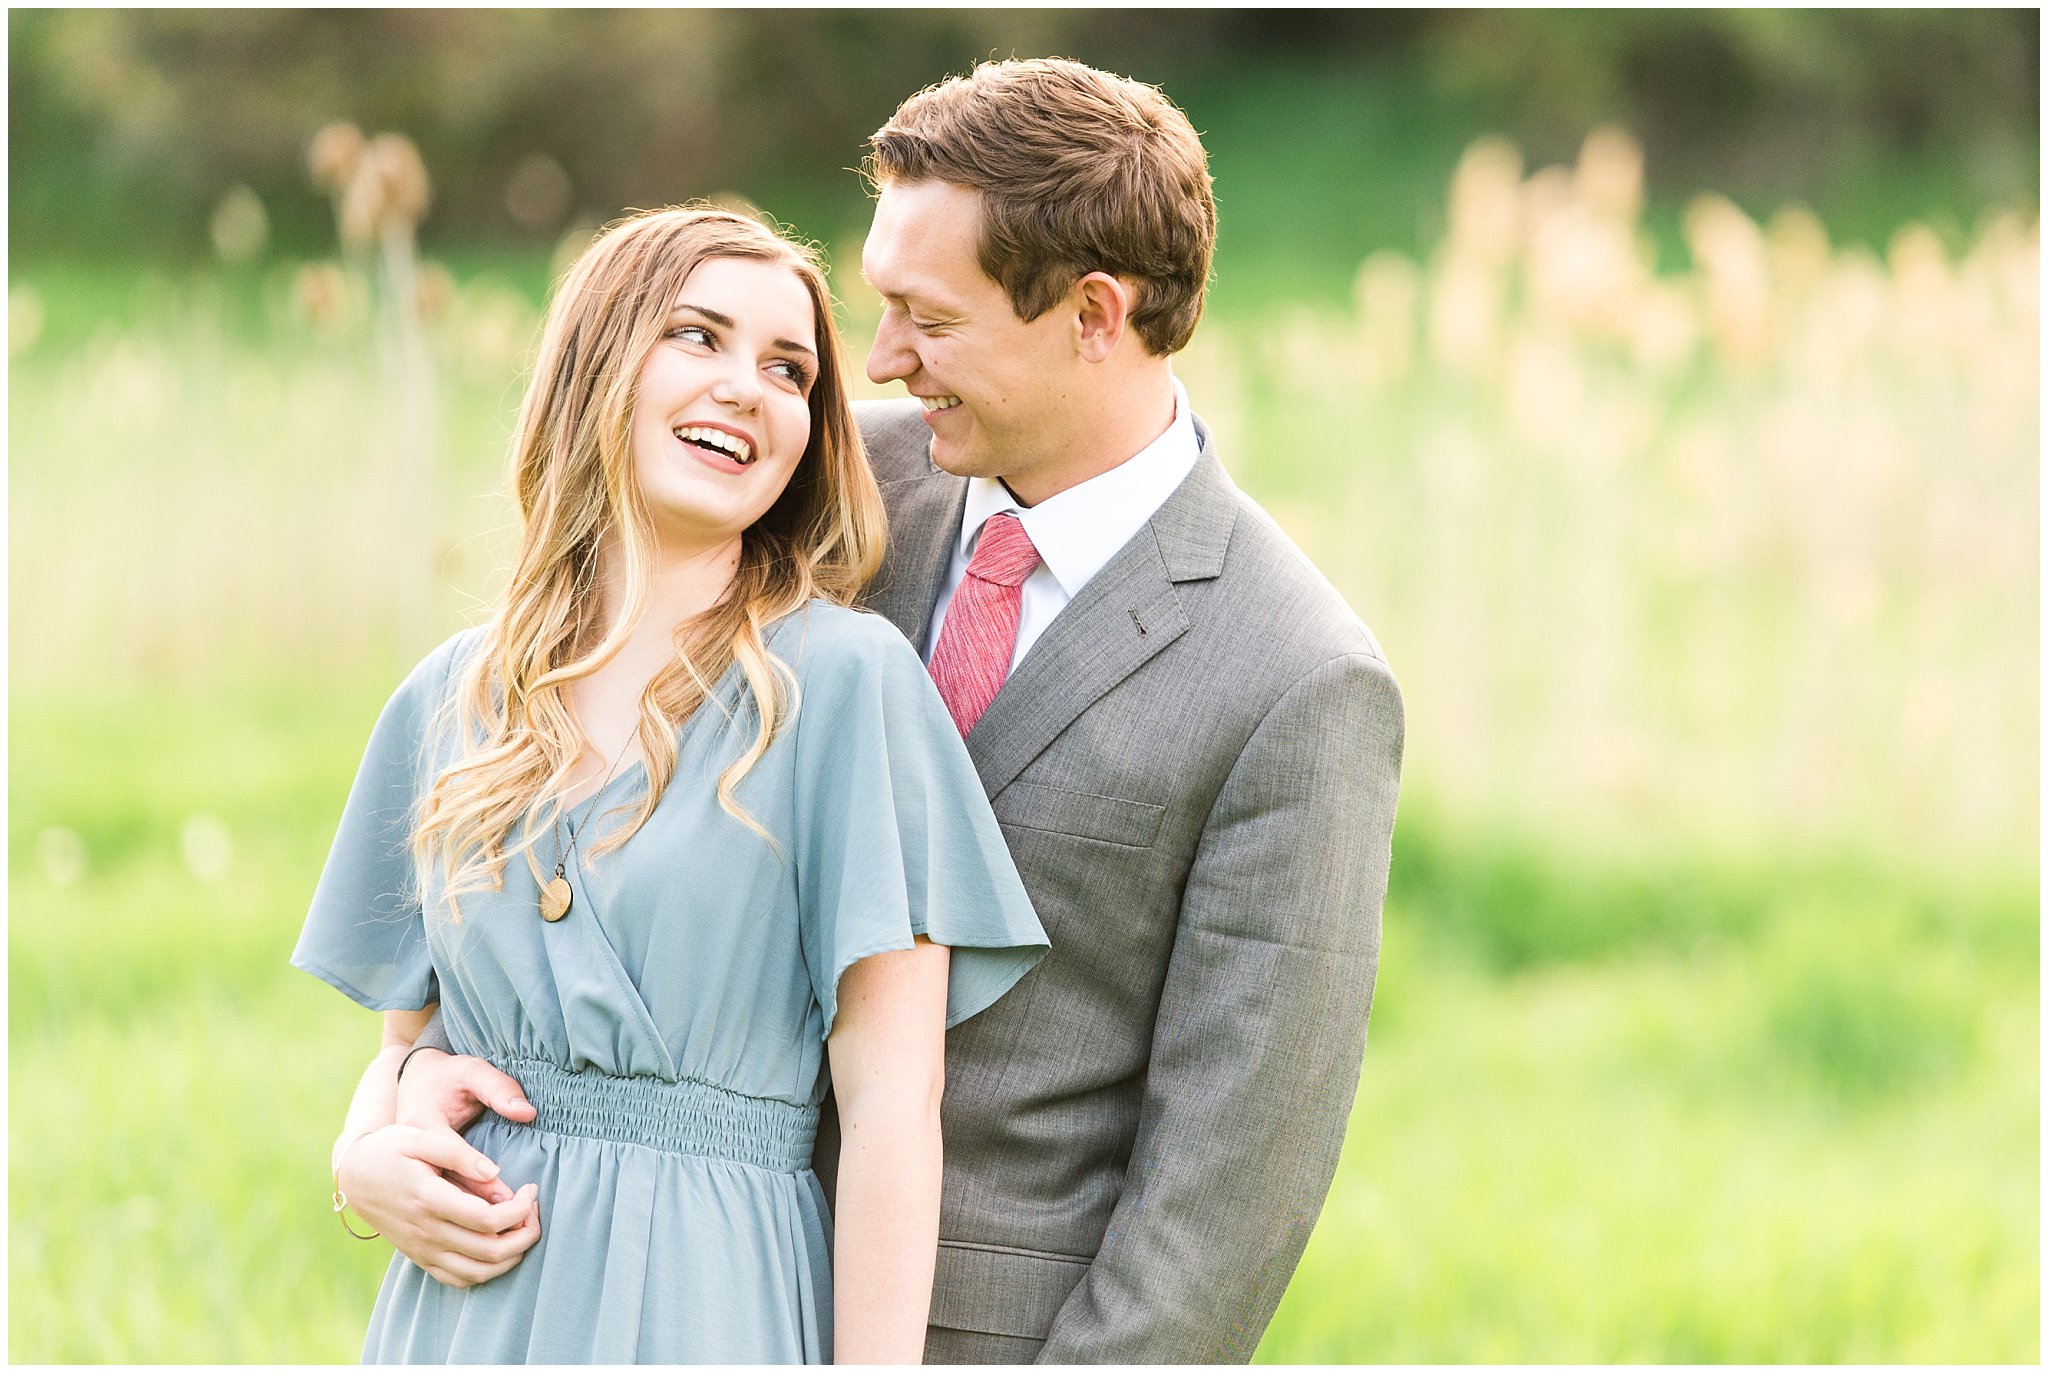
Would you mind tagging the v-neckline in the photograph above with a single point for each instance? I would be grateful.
(619, 775)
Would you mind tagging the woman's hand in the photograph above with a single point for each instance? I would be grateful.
(888, 1051)
(406, 1171)
(409, 1184)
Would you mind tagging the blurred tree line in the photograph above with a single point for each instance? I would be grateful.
(128, 127)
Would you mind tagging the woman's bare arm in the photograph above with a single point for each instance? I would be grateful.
(888, 1055)
(375, 1103)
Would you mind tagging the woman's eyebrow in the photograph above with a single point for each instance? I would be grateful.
(727, 322)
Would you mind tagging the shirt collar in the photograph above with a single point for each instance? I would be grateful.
(1081, 528)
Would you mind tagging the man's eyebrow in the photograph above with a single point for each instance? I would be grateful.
(728, 322)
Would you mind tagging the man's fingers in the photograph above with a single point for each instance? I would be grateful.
(445, 1149)
(497, 1090)
(453, 1090)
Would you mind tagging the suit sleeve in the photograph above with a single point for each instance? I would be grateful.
(1260, 1035)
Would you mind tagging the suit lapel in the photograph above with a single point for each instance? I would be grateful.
(1127, 613)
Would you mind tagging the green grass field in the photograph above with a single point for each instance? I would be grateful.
(1761, 1111)
(1708, 1021)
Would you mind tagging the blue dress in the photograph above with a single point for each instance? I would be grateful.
(671, 1028)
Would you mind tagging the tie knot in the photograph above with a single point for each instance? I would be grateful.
(1005, 554)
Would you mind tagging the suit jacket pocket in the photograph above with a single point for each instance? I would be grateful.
(995, 1290)
(1083, 814)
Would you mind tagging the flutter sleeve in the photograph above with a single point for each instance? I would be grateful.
(364, 934)
(894, 836)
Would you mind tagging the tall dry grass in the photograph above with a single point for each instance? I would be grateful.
(1745, 548)
(1748, 548)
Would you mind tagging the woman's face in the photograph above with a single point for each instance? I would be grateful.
(723, 414)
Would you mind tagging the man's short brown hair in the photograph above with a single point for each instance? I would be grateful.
(1079, 171)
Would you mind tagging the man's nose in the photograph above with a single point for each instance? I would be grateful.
(888, 358)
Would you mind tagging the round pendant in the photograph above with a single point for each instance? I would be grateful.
(554, 899)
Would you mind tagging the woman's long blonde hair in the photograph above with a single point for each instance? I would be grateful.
(574, 475)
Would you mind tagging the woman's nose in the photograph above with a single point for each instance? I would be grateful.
(737, 385)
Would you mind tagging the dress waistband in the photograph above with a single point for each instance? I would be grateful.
(685, 1117)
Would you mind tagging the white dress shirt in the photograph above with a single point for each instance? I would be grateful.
(1078, 530)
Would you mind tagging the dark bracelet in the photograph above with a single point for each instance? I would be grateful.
(417, 1048)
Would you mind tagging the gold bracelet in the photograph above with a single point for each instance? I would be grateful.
(341, 1199)
(340, 1204)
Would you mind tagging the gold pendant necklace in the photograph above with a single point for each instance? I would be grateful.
(555, 894)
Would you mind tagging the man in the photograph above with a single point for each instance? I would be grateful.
(1192, 744)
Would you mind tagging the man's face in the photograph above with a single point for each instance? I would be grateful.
(994, 388)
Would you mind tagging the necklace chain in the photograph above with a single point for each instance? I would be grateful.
(563, 851)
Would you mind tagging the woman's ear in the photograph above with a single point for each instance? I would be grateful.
(1102, 311)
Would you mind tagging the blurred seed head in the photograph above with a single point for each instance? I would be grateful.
(1730, 249)
(1920, 276)
(1585, 270)
(387, 191)
(207, 847)
(1545, 195)
(1917, 258)
(239, 226)
(1723, 239)
(2007, 254)
(321, 295)
(1609, 176)
(359, 210)
(1799, 248)
(537, 196)
(62, 853)
(332, 156)
(407, 194)
(1484, 203)
(24, 319)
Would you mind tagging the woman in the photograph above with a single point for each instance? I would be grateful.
(671, 833)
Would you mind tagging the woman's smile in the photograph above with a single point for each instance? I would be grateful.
(719, 447)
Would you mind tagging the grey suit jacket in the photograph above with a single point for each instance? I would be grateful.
(1195, 768)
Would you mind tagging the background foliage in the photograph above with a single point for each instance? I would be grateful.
(1662, 389)
(129, 125)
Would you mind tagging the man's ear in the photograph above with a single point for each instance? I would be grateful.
(1102, 311)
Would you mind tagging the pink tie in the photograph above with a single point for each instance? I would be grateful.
(980, 632)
